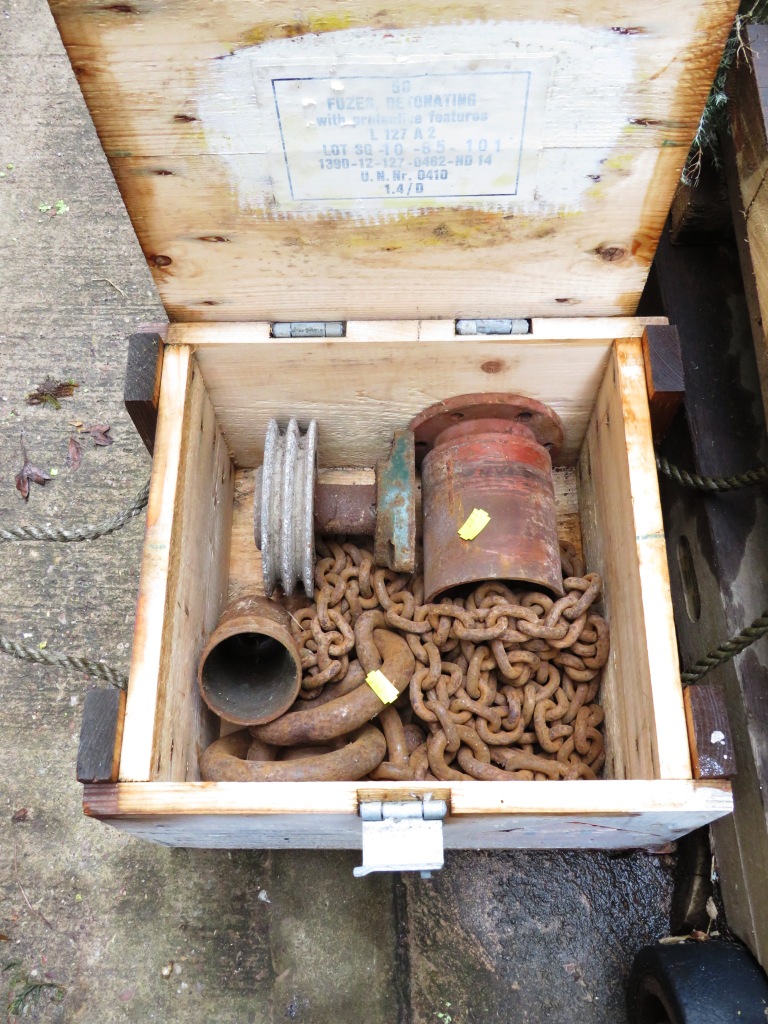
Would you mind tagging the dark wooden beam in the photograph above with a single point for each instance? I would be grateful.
(744, 147)
(101, 736)
(143, 371)
(717, 543)
(709, 733)
(664, 376)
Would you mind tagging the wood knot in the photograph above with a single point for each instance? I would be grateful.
(611, 253)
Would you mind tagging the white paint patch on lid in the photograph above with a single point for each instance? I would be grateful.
(505, 115)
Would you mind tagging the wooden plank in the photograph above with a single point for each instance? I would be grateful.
(141, 391)
(199, 545)
(101, 736)
(624, 541)
(183, 98)
(360, 393)
(745, 151)
(664, 376)
(211, 265)
(575, 330)
(187, 534)
(601, 814)
(727, 536)
(709, 733)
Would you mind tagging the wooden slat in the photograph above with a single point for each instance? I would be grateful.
(197, 588)
(745, 147)
(709, 733)
(727, 537)
(101, 736)
(141, 391)
(624, 541)
(360, 393)
(187, 533)
(600, 814)
(664, 376)
(625, 97)
(211, 264)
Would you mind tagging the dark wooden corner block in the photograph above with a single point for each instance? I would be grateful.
(664, 375)
(709, 733)
(101, 736)
(142, 381)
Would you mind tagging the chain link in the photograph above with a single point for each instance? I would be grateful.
(505, 684)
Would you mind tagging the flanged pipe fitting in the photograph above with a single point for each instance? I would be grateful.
(250, 669)
(491, 452)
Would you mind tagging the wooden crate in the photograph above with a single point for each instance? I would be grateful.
(225, 124)
(221, 383)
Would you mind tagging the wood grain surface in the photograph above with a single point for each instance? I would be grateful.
(628, 83)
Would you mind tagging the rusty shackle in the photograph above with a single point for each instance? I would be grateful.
(250, 669)
(491, 452)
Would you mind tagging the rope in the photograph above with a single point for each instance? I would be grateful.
(754, 632)
(728, 649)
(98, 669)
(711, 483)
(78, 533)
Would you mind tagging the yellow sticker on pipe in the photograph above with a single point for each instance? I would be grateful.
(476, 522)
(382, 687)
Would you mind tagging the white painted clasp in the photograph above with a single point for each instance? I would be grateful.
(405, 835)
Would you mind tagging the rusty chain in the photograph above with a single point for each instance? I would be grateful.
(505, 681)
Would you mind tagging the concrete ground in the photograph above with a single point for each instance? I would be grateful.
(242, 936)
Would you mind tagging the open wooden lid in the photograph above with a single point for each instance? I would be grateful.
(422, 160)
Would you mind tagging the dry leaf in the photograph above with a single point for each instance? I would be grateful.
(28, 473)
(50, 391)
(21, 815)
(100, 434)
(74, 454)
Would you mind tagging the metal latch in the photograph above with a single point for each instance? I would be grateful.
(404, 835)
(309, 329)
(501, 326)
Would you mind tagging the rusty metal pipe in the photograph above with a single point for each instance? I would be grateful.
(491, 452)
(388, 651)
(250, 669)
(225, 761)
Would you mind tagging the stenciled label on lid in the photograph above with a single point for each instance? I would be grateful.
(395, 136)
(376, 124)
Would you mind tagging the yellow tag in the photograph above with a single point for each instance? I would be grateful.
(477, 520)
(382, 687)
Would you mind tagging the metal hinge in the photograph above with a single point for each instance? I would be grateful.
(500, 326)
(404, 835)
(309, 329)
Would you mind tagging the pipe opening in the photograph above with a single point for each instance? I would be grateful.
(249, 677)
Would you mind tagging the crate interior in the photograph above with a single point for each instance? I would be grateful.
(223, 385)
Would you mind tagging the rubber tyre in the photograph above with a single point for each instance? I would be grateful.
(697, 983)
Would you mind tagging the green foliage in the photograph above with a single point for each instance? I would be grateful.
(25, 992)
(713, 118)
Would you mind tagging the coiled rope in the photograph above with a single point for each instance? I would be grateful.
(65, 535)
(757, 629)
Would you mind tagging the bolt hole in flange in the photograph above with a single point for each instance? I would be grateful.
(688, 579)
